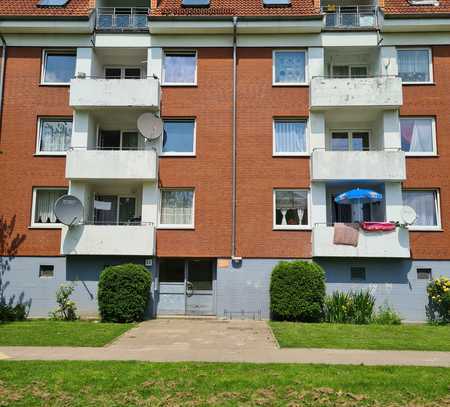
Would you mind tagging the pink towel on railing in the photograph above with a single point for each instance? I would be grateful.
(346, 234)
(378, 226)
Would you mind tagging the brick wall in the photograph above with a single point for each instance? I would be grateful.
(20, 170)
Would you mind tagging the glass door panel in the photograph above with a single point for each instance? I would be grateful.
(130, 140)
(360, 141)
(127, 209)
(105, 209)
(172, 291)
(358, 71)
(199, 287)
(109, 140)
(339, 141)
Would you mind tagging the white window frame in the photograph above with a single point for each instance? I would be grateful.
(99, 130)
(437, 204)
(38, 138)
(122, 70)
(194, 142)
(350, 138)
(430, 64)
(33, 224)
(118, 197)
(44, 64)
(275, 153)
(176, 226)
(274, 83)
(433, 137)
(179, 51)
(350, 66)
(274, 210)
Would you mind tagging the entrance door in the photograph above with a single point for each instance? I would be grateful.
(186, 287)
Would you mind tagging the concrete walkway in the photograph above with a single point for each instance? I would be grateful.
(178, 340)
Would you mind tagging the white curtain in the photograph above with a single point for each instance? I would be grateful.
(176, 207)
(290, 67)
(424, 203)
(291, 203)
(414, 65)
(290, 137)
(422, 137)
(179, 68)
(55, 135)
(45, 203)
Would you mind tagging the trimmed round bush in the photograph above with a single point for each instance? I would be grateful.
(123, 293)
(297, 291)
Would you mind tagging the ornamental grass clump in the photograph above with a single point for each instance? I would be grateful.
(350, 308)
(438, 309)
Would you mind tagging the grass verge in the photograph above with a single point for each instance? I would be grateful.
(60, 333)
(345, 336)
(113, 384)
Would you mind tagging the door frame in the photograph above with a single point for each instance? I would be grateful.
(186, 273)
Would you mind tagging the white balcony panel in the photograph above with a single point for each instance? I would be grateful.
(393, 244)
(382, 92)
(358, 165)
(114, 240)
(101, 93)
(84, 164)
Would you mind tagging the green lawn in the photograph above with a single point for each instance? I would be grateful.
(187, 384)
(341, 336)
(59, 333)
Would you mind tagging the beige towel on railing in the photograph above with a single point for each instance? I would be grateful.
(346, 234)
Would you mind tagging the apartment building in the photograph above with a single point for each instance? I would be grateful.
(271, 110)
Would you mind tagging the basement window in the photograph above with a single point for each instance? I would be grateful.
(357, 274)
(424, 274)
(46, 271)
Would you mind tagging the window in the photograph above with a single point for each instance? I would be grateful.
(123, 73)
(46, 271)
(289, 67)
(418, 135)
(290, 137)
(59, 67)
(179, 137)
(195, 3)
(115, 210)
(426, 205)
(357, 274)
(415, 65)
(424, 274)
(180, 68)
(54, 135)
(276, 3)
(349, 71)
(291, 209)
(52, 3)
(117, 140)
(43, 203)
(177, 208)
(349, 141)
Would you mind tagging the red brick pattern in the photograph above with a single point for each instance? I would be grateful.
(30, 8)
(404, 7)
(20, 170)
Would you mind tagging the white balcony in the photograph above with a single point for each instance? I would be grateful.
(111, 240)
(386, 165)
(83, 164)
(393, 244)
(110, 93)
(383, 92)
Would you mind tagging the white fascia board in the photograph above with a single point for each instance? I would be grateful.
(415, 24)
(191, 26)
(125, 40)
(48, 40)
(280, 41)
(191, 41)
(422, 39)
(46, 26)
(287, 26)
(350, 39)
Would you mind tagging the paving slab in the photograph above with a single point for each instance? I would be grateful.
(178, 340)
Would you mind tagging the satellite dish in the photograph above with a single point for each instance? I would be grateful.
(69, 210)
(150, 126)
(409, 215)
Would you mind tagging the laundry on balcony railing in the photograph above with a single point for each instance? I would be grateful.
(122, 18)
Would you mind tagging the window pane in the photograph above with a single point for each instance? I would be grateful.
(417, 135)
(45, 203)
(59, 68)
(290, 67)
(179, 68)
(200, 275)
(413, 65)
(340, 71)
(424, 203)
(130, 140)
(113, 73)
(171, 271)
(290, 136)
(359, 71)
(105, 209)
(55, 135)
(127, 207)
(360, 141)
(109, 140)
(178, 137)
(339, 142)
(291, 207)
(132, 73)
(176, 207)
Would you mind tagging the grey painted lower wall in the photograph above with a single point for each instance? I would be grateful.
(22, 283)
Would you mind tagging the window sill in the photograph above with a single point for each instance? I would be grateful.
(293, 229)
(425, 229)
(418, 83)
(49, 226)
(55, 84)
(162, 155)
(50, 154)
(424, 155)
(291, 155)
(304, 84)
(189, 85)
(176, 227)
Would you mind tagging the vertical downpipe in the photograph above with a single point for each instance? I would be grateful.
(2, 79)
(234, 132)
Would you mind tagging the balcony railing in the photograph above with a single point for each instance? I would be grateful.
(350, 17)
(122, 18)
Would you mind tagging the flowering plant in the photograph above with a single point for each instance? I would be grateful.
(438, 309)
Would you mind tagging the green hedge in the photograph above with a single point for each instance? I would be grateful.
(124, 292)
(297, 291)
